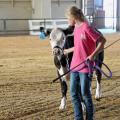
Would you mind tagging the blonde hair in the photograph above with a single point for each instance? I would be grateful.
(76, 13)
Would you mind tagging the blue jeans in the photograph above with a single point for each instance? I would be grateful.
(80, 90)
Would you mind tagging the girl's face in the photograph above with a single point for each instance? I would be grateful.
(71, 21)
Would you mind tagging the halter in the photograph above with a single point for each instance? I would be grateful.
(58, 48)
(62, 50)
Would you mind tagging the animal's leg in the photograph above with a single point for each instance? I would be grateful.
(63, 88)
(98, 93)
(63, 91)
(98, 87)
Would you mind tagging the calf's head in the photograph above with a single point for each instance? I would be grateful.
(57, 40)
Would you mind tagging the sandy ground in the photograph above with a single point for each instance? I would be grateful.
(26, 72)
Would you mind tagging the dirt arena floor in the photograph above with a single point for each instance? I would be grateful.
(26, 72)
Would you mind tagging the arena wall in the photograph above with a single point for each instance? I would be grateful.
(14, 9)
(41, 9)
(58, 7)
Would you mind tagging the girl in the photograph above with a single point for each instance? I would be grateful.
(85, 39)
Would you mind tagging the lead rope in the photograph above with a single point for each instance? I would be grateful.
(110, 73)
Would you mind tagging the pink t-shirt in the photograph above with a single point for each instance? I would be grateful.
(85, 38)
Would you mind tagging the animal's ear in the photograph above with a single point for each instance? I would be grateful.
(48, 31)
(42, 29)
(55, 25)
(54, 28)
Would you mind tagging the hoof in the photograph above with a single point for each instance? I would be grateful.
(63, 104)
(98, 94)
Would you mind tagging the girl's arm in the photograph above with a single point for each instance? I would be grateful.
(99, 48)
(67, 51)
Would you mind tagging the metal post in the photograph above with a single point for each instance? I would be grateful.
(118, 16)
(58, 2)
(4, 22)
(12, 3)
(45, 23)
(93, 14)
(113, 14)
(81, 4)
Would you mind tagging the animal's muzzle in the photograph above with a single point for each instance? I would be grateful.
(57, 51)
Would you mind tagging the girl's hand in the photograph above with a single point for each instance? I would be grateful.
(66, 51)
(91, 58)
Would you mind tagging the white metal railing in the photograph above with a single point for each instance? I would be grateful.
(34, 25)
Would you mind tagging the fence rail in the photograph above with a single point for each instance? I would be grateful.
(32, 26)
